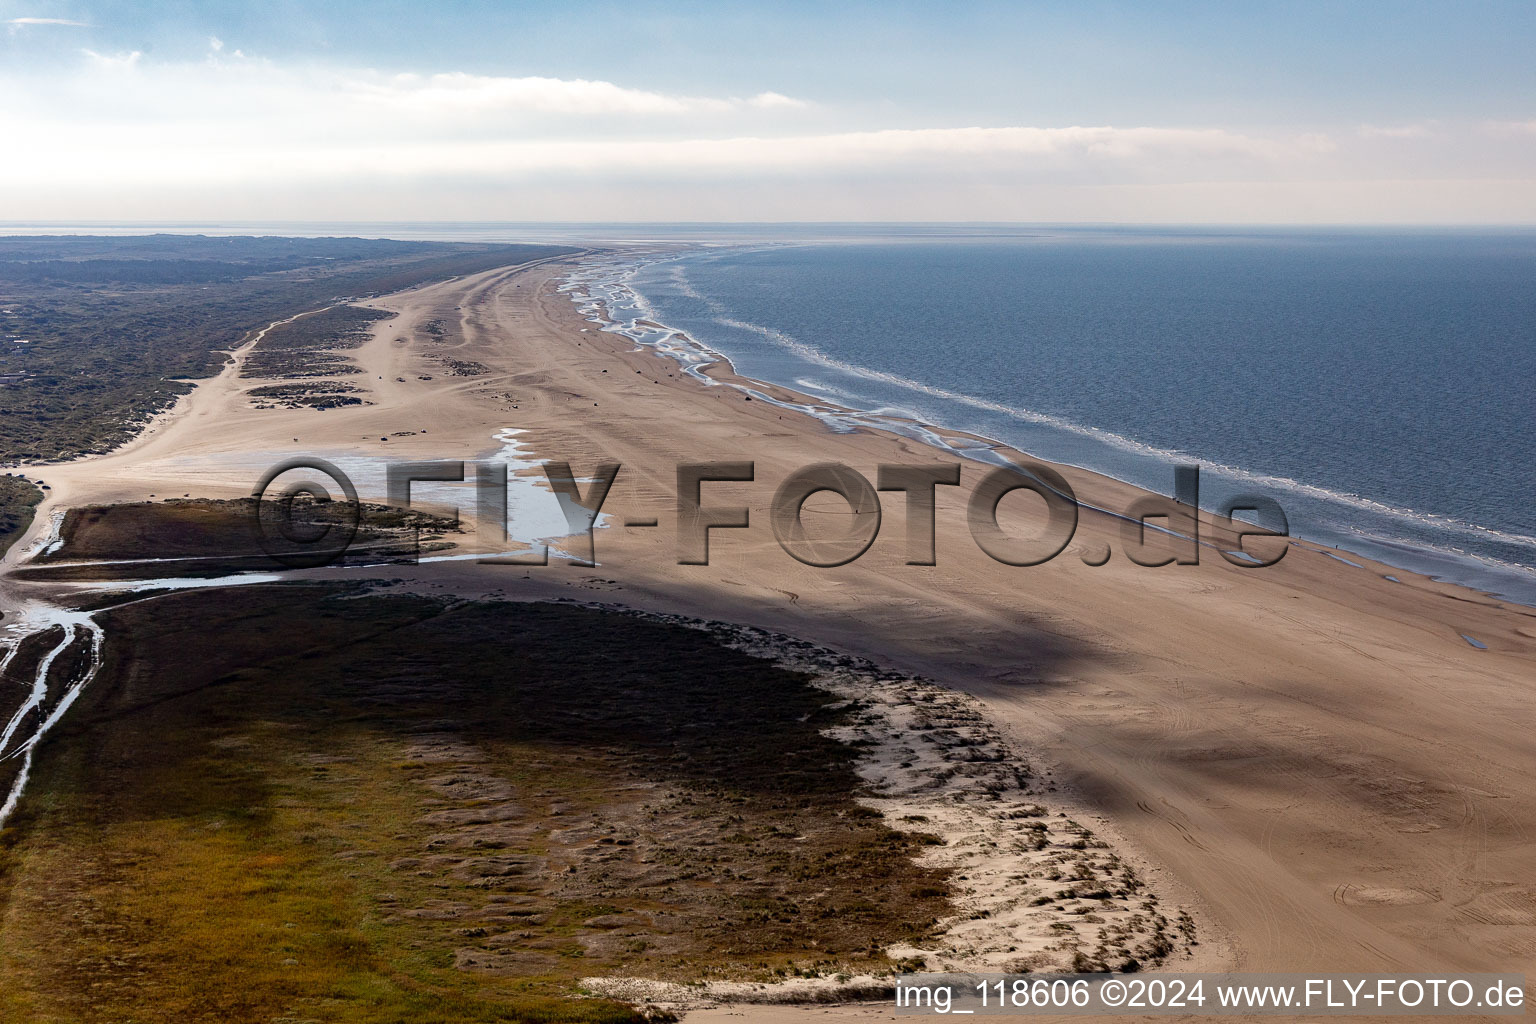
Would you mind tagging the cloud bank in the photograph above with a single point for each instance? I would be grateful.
(117, 136)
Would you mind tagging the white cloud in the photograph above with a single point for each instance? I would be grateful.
(17, 25)
(25, 22)
(456, 92)
(113, 62)
(776, 101)
(230, 85)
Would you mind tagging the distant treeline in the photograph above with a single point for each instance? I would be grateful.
(229, 248)
(134, 271)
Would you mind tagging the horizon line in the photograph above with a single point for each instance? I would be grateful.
(60, 222)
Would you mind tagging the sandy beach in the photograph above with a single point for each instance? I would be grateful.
(1310, 756)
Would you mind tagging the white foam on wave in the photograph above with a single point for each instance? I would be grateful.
(614, 302)
(1269, 481)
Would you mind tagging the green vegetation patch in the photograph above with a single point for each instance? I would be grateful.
(324, 394)
(317, 803)
(307, 346)
(19, 498)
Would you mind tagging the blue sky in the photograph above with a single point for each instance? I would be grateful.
(1246, 112)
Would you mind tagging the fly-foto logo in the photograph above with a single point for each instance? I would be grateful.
(1154, 530)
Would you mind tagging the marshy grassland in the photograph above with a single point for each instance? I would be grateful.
(19, 498)
(327, 802)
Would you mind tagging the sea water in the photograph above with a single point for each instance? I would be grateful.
(1379, 384)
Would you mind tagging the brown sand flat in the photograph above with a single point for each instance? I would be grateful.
(1309, 754)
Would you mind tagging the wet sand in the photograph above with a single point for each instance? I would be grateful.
(1310, 756)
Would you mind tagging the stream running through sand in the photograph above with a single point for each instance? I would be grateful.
(537, 517)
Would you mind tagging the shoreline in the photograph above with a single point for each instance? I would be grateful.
(1486, 575)
(1263, 738)
(714, 368)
